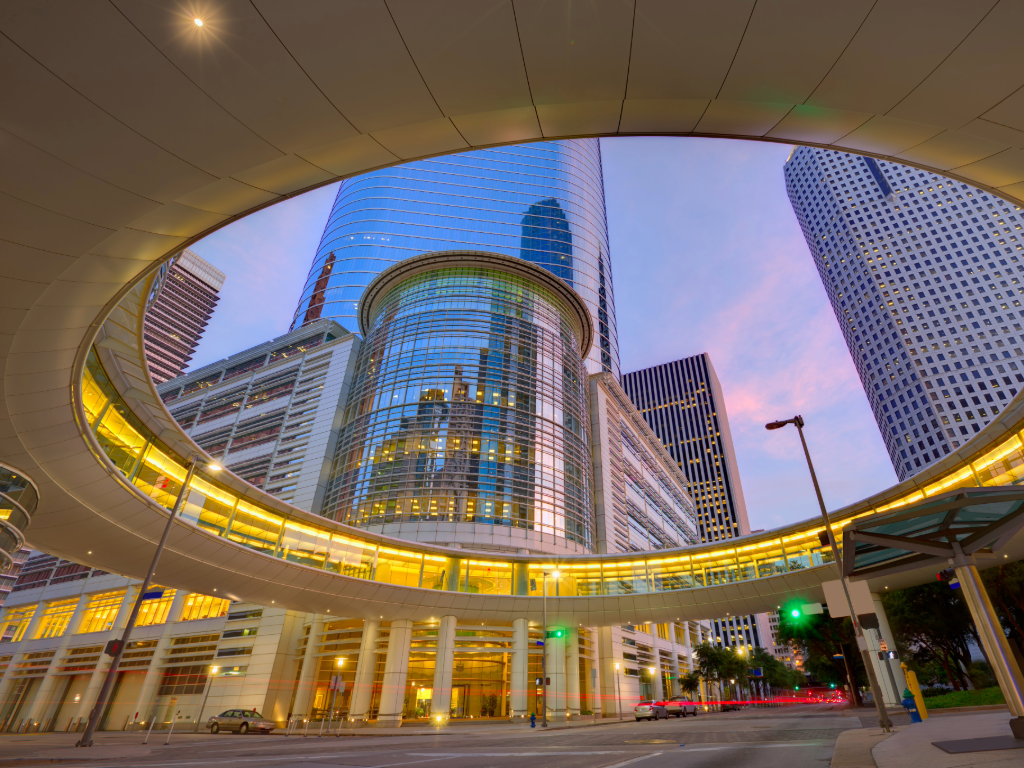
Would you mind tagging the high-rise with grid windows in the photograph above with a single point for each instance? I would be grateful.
(683, 404)
(925, 277)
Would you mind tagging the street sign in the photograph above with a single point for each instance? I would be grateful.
(882, 645)
(757, 672)
(337, 684)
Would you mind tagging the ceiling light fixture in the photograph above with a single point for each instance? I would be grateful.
(199, 22)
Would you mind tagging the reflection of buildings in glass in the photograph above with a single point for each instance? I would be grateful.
(541, 202)
(467, 408)
(316, 301)
(546, 238)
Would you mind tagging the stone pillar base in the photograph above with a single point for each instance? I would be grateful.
(388, 722)
(354, 723)
(575, 716)
(518, 718)
(1017, 727)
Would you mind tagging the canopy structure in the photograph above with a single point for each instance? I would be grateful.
(968, 521)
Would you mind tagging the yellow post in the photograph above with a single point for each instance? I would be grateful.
(916, 690)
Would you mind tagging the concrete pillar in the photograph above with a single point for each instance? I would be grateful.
(85, 707)
(307, 677)
(554, 652)
(396, 669)
(890, 696)
(608, 696)
(43, 701)
(657, 683)
(444, 663)
(572, 674)
(147, 694)
(677, 690)
(519, 696)
(893, 664)
(1004, 665)
(366, 668)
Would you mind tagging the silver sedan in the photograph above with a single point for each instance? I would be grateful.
(241, 720)
(650, 710)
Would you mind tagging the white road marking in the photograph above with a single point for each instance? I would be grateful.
(634, 760)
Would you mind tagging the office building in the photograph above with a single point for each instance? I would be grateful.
(924, 275)
(271, 414)
(180, 304)
(540, 202)
(683, 404)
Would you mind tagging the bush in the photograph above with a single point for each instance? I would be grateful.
(977, 698)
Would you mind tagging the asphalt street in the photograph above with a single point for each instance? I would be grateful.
(794, 737)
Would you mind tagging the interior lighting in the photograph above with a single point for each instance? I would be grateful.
(199, 22)
(214, 467)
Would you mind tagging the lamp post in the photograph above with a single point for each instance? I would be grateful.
(116, 647)
(883, 716)
(654, 687)
(206, 695)
(618, 692)
(336, 683)
(544, 655)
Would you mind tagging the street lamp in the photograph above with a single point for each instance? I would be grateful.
(883, 716)
(115, 648)
(618, 692)
(206, 695)
(335, 684)
(544, 655)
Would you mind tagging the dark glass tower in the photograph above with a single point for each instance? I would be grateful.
(540, 202)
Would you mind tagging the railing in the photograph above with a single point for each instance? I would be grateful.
(157, 472)
(18, 500)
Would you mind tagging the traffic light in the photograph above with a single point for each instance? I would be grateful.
(832, 685)
(796, 687)
(556, 633)
(949, 576)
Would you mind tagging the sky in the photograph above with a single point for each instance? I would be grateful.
(707, 256)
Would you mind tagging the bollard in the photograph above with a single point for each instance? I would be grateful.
(176, 714)
(305, 731)
(915, 689)
(152, 722)
(319, 735)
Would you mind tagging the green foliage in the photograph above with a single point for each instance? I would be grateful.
(690, 683)
(977, 698)
(933, 631)
(1005, 587)
(823, 638)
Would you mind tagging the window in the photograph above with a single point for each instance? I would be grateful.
(203, 607)
(183, 681)
(56, 617)
(155, 607)
(101, 612)
(12, 630)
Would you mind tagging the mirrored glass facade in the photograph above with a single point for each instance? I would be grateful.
(540, 202)
(468, 405)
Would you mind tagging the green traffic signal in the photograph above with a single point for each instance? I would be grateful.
(556, 633)
(795, 613)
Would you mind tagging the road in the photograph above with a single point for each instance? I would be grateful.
(799, 736)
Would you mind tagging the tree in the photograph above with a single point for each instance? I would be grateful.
(823, 639)
(710, 661)
(1005, 586)
(932, 623)
(690, 683)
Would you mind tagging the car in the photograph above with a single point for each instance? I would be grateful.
(240, 720)
(680, 706)
(650, 710)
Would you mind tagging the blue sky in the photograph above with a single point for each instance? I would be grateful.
(707, 256)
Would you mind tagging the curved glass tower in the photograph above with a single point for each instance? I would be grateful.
(469, 408)
(540, 202)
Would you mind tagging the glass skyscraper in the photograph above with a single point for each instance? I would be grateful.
(540, 202)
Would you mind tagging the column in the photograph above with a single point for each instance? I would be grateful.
(366, 668)
(396, 668)
(43, 698)
(1004, 665)
(147, 694)
(606, 658)
(519, 699)
(444, 663)
(677, 689)
(554, 652)
(310, 662)
(890, 696)
(887, 636)
(657, 684)
(572, 674)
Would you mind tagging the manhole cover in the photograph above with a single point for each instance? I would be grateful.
(651, 741)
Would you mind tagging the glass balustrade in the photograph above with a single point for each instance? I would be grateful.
(157, 472)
